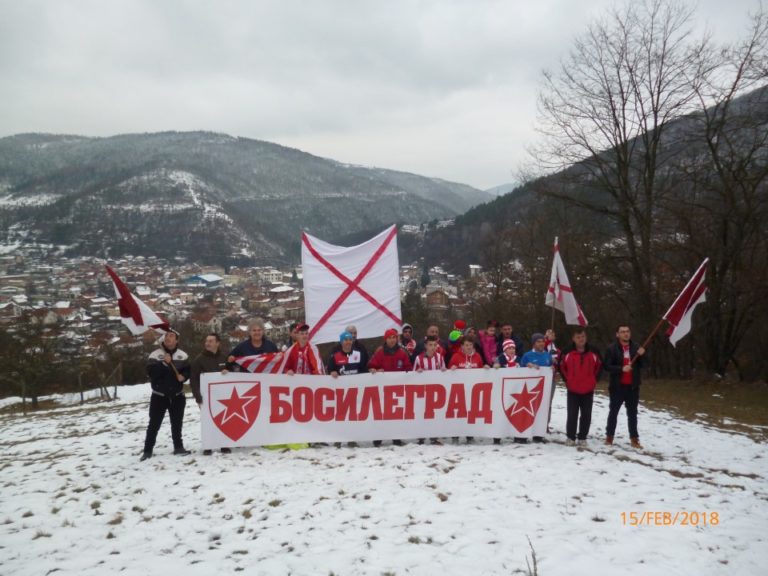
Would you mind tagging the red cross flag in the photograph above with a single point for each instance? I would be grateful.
(136, 315)
(560, 296)
(358, 285)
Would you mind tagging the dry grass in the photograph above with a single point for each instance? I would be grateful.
(738, 406)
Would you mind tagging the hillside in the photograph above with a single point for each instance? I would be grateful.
(200, 195)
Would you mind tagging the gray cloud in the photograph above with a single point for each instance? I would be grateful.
(442, 88)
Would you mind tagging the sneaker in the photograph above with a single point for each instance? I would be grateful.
(540, 440)
(470, 439)
(570, 442)
(608, 441)
(352, 444)
(635, 442)
(497, 440)
(520, 440)
(582, 442)
(377, 443)
(455, 439)
(207, 452)
(181, 451)
(145, 456)
(397, 442)
(435, 442)
(421, 441)
(226, 450)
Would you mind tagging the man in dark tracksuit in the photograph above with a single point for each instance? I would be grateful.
(624, 361)
(167, 392)
(211, 359)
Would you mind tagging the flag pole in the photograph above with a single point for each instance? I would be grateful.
(555, 248)
(648, 340)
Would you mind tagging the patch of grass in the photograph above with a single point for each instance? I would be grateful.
(442, 497)
(27, 514)
(110, 536)
(275, 503)
(737, 406)
(597, 518)
(55, 510)
(138, 509)
(247, 513)
(41, 534)
(414, 540)
(118, 519)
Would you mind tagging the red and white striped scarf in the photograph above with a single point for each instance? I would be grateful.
(268, 363)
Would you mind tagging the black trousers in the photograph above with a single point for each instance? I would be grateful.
(157, 408)
(630, 397)
(579, 410)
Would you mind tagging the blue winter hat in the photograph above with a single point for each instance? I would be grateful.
(537, 336)
(346, 336)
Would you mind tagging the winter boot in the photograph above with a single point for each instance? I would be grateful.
(609, 440)
(635, 442)
(145, 456)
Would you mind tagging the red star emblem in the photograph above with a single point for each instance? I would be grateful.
(524, 401)
(235, 406)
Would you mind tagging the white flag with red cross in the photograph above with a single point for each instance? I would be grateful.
(357, 285)
(560, 296)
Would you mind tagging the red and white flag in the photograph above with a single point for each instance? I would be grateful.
(136, 315)
(560, 296)
(267, 363)
(357, 285)
(680, 313)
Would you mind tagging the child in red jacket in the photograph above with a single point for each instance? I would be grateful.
(468, 357)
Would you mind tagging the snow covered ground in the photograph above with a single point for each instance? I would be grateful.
(76, 499)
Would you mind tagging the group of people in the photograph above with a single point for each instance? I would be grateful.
(580, 367)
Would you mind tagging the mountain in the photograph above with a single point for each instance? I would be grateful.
(502, 189)
(200, 195)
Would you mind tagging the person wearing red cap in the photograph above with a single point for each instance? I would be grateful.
(391, 357)
(302, 357)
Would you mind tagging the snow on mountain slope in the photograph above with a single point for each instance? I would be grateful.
(76, 499)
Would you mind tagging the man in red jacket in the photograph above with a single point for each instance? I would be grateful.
(390, 358)
(580, 367)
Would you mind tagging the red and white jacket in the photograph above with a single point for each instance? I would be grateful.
(423, 362)
(303, 360)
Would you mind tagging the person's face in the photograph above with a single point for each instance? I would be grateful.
(624, 334)
(580, 339)
(294, 334)
(468, 347)
(391, 341)
(550, 334)
(491, 330)
(430, 347)
(407, 333)
(170, 340)
(302, 337)
(353, 332)
(539, 345)
(257, 333)
(509, 350)
(346, 345)
(471, 332)
(433, 331)
(506, 331)
(211, 344)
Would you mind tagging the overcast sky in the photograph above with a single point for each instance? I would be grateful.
(440, 88)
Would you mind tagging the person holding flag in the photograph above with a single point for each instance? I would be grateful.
(252, 353)
(624, 361)
(168, 368)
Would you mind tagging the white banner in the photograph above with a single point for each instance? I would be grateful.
(243, 409)
(358, 285)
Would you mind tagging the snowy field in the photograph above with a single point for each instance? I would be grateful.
(76, 500)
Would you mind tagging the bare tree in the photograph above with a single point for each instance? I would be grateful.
(604, 117)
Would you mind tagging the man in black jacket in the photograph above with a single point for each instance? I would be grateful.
(624, 361)
(168, 368)
(211, 359)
